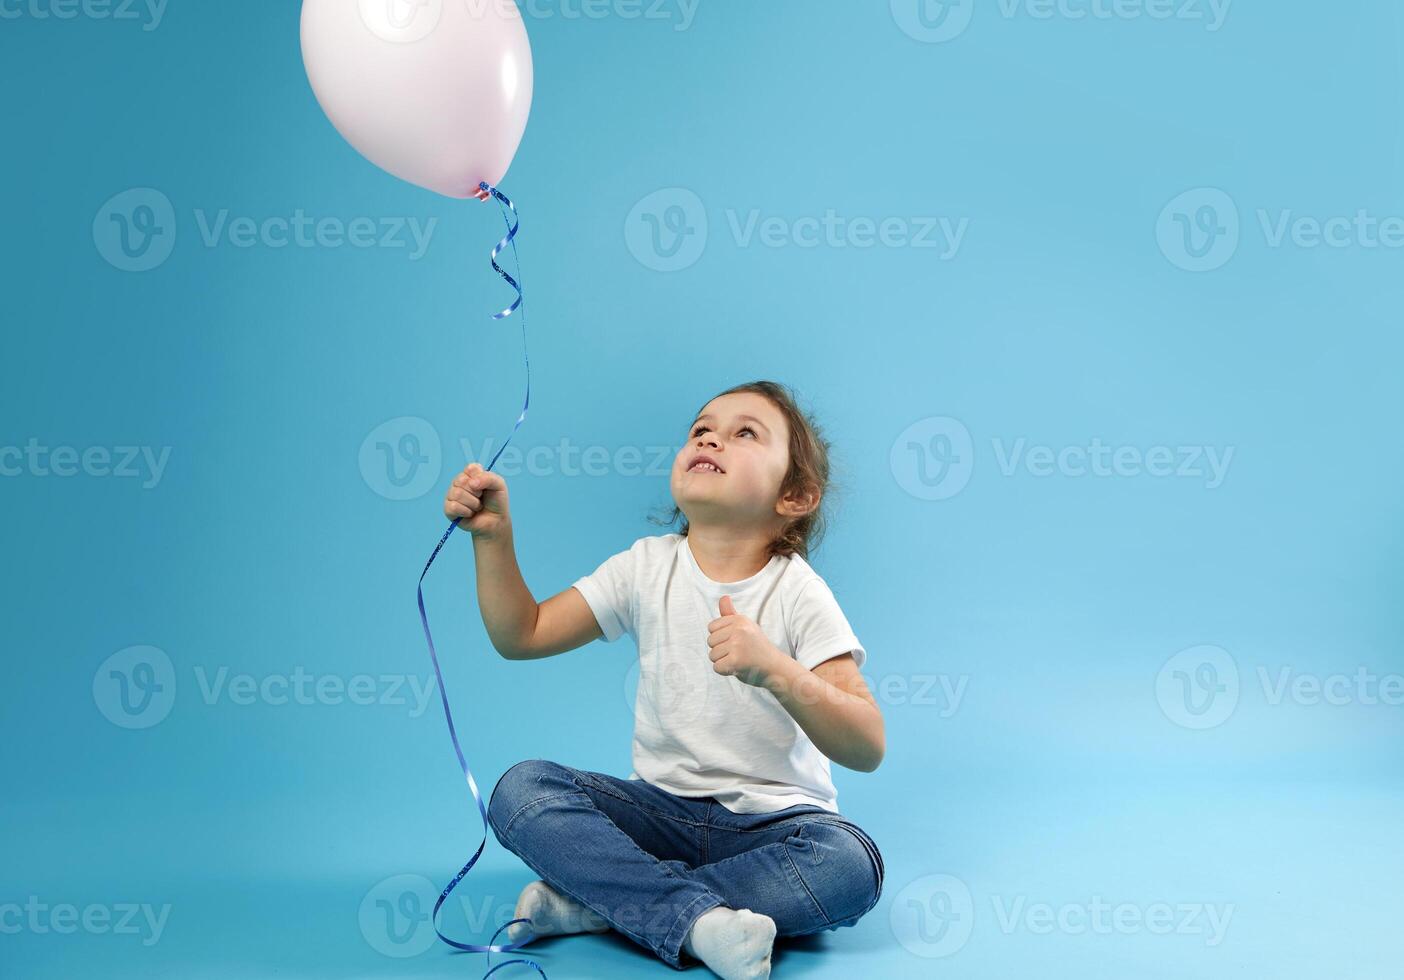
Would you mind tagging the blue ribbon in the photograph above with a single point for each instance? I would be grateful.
(509, 218)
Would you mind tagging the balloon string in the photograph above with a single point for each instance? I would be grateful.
(509, 218)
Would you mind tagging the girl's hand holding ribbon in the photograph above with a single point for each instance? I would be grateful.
(740, 649)
(477, 500)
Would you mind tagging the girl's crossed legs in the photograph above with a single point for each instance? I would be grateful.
(651, 863)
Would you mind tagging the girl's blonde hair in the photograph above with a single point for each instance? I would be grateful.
(808, 471)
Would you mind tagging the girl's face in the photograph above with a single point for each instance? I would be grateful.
(748, 440)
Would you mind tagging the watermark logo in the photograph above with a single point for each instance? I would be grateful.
(1198, 687)
(401, 459)
(135, 230)
(937, 21)
(135, 687)
(395, 916)
(401, 21)
(933, 21)
(933, 458)
(932, 916)
(674, 689)
(667, 230)
(1198, 231)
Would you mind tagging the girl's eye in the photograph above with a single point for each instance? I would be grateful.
(702, 428)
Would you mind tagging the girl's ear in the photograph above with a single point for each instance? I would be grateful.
(797, 503)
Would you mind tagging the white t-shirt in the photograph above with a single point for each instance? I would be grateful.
(697, 732)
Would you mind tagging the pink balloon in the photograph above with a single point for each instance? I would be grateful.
(437, 92)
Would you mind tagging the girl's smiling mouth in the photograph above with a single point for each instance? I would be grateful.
(704, 464)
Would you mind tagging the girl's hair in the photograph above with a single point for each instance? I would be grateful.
(808, 470)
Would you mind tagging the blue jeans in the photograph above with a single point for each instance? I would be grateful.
(651, 862)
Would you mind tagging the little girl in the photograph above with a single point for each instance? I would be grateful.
(727, 833)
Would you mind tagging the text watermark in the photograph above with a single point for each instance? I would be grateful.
(1200, 687)
(668, 230)
(136, 231)
(939, 21)
(934, 459)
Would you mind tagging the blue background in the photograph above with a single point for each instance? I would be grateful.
(267, 546)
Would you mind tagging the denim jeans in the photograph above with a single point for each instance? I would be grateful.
(650, 862)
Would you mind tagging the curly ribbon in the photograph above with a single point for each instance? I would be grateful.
(509, 217)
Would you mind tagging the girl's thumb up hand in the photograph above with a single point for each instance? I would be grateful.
(477, 500)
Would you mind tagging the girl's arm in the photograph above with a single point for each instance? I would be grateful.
(834, 707)
(519, 627)
(831, 702)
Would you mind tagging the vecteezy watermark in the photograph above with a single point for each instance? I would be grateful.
(565, 458)
(944, 692)
(682, 687)
(1201, 230)
(934, 458)
(933, 21)
(934, 915)
(937, 21)
(1207, 463)
(1199, 687)
(667, 230)
(33, 459)
(676, 691)
(136, 230)
(396, 915)
(149, 13)
(303, 688)
(1198, 231)
(98, 919)
(1098, 917)
(401, 21)
(679, 13)
(408, 21)
(402, 458)
(136, 688)
(300, 231)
